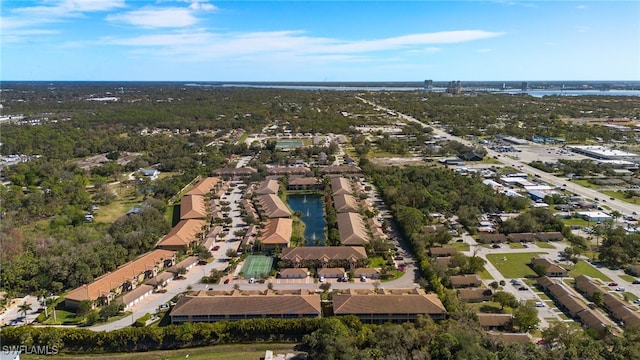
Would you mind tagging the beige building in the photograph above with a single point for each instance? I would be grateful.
(125, 278)
(352, 229)
(276, 233)
(205, 307)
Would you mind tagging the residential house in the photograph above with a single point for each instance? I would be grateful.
(331, 273)
(273, 207)
(549, 236)
(551, 268)
(211, 308)
(368, 273)
(304, 183)
(348, 257)
(192, 207)
(187, 263)
(204, 186)
(462, 281)
(233, 172)
(289, 170)
(345, 203)
(495, 322)
(134, 296)
(489, 238)
(152, 174)
(373, 308)
(293, 273)
(276, 233)
(522, 237)
(341, 186)
(183, 235)
(352, 229)
(475, 295)
(340, 169)
(125, 278)
(268, 187)
(442, 251)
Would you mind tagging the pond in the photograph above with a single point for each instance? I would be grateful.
(312, 208)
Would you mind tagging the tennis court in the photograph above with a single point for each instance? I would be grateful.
(257, 266)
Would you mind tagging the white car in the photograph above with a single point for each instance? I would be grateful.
(539, 304)
(321, 278)
(620, 288)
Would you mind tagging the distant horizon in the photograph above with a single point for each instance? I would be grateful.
(418, 82)
(319, 41)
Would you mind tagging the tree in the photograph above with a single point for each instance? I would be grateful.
(231, 253)
(24, 308)
(539, 269)
(525, 316)
(505, 299)
(597, 297)
(84, 308)
(110, 310)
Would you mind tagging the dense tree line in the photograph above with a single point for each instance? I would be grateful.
(337, 338)
(74, 255)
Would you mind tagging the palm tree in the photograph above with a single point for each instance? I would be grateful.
(24, 308)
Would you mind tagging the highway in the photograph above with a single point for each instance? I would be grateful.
(605, 202)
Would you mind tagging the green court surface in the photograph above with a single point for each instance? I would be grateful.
(257, 266)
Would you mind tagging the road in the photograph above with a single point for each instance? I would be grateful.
(12, 315)
(619, 205)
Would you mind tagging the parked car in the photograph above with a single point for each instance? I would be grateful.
(252, 280)
(226, 281)
(321, 278)
(363, 278)
(613, 284)
(523, 288)
(620, 288)
(636, 282)
(216, 248)
(539, 304)
(495, 246)
(516, 282)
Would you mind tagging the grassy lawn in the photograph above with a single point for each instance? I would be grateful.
(576, 221)
(484, 275)
(630, 296)
(584, 183)
(126, 199)
(545, 245)
(516, 245)
(584, 268)
(620, 196)
(543, 296)
(628, 278)
(460, 246)
(514, 265)
(376, 262)
(220, 352)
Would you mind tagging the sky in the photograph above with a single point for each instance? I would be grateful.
(209, 40)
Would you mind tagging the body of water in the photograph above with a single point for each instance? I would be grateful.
(312, 208)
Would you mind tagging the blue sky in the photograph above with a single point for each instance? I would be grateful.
(208, 40)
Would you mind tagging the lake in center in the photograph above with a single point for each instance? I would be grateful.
(312, 209)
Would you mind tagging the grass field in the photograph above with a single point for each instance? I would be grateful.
(584, 268)
(628, 278)
(257, 266)
(461, 246)
(484, 274)
(544, 245)
(514, 265)
(220, 352)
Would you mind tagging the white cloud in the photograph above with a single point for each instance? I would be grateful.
(581, 7)
(202, 45)
(156, 17)
(22, 22)
(484, 50)
(202, 6)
